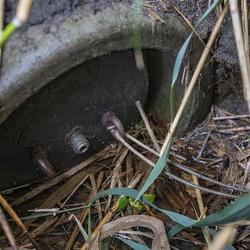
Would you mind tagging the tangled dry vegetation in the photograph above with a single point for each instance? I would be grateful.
(218, 148)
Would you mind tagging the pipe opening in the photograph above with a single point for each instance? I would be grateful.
(79, 98)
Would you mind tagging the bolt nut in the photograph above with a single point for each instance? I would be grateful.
(77, 141)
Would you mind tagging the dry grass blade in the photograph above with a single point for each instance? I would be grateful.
(110, 214)
(66, 189)
(199, 198)
(147, 125)
(50, 183)
(7, 230)
(244, 11)
(75, 189)
(187, 22)
(203, 146)
(232, 130)
(195, 76)
(190, 184)
(247, 169)
(95, 245)
(243, 57)
(203, 177)
(232, 117)
(83, 215)
(43, 227)
(79, 224)
(94, 187)
(17, 220)
(142, 145)
(75, 232)
(116, 173)
(184, 168)
(223, 238)
(202, 209)
(129, 169)
(2, 4)
(23, 10)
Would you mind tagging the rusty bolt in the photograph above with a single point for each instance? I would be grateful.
(40, 156)
(113, 124)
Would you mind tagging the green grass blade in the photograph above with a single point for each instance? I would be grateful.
(239, 210)
(133, 244)
(208, 11)
(89, 226)
(176, 71)
(7, 33)
(179, 59)
(132, 193)
(229, 247)
(160, 165)
(136, 37)
(175, 230)
(178, 218)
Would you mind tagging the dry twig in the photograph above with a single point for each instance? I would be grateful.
(223, 238)
(7, 230)
(110, 214)
(245, 28)
(83, 215)
(184, 168)
(2, 4)
(17, 220)
(50, 183)
(147, 125)
(243, 58)
(116, 173)
(231, 117)
(23, 10)
(187, 22)
(95, 190)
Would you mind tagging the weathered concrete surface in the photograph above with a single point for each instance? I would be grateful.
(44, 51)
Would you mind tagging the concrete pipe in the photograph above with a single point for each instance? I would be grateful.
(65, 69)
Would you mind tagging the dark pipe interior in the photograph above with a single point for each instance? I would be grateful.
(77, 98)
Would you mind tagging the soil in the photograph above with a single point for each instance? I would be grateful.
(226, 67)
(44, 10)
